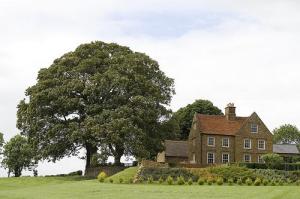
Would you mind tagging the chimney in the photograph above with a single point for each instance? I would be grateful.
(230, 112)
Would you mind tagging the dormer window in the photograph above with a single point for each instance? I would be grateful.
(254, 128)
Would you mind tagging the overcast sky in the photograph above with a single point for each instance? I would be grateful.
(246, 52)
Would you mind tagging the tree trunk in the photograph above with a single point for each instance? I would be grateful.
(90, 151)
(119, 151)
(17, 172)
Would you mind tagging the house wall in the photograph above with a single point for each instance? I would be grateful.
(245, 132)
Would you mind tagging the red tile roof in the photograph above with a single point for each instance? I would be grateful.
(218, 124)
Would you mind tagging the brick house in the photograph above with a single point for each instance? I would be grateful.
(218, 139)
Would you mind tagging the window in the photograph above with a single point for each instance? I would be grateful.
(254, 128)
(211, 141)
(247, 144)
(225, 158)
(225, 142)
(259, 159)
(261, 144)
(247, 158)
(210, 158)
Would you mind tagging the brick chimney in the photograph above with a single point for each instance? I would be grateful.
(230, 111)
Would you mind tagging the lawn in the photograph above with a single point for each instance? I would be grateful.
(66, 187)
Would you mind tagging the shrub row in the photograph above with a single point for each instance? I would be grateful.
(284, 166)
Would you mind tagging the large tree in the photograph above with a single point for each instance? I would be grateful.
(286, 134)
(184, 116)
(100, 96)
(17, 155)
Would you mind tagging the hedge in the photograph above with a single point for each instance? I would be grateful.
(284, 166)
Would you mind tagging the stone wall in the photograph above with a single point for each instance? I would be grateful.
(109, 170)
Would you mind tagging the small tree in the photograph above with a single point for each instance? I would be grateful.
(272, 160)
(18, 155)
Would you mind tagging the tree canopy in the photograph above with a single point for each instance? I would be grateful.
(184, 116)
(17, 155)
(100, 96)
(286, 134)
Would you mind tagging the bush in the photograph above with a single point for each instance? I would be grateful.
(150, 180)
(281, 182)
(130, 180)
(111, 180)
(239, 181)
(220, 181)
(180, 180)
(248, 181)
(298, 182)
(230, 181)
(101, 177)
(121, 180)
(209, 181)
(201, 181)
(272, 160)
(265, 182)
(160, 180)
(257, 182)
(169, 180)
(273, 183)
(190, 181)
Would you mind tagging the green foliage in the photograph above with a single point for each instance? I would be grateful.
(190, 181)
(286, 134)
(273, 183)
(100, 96)
(126, 175)
(201, 181)
(272, 160)
(121, 180)
(150, 180)
(257, 182)
(18, 155)
(281, 182)
(99, 159)
(130, 180)
(220, 181)
(230, 181)
(101, 177)
(234, 172)
(185, 115)
(209, 181)
(1, 143)
(239, 181)
(160, 180)
(265, 182)
(170, 180)
(298, 182)
(249, 181)
(111, 180)
(180, 180)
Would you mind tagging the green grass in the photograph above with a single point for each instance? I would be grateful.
(75, 188)
(126, 175)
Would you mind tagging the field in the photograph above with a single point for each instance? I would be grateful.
(68, 187)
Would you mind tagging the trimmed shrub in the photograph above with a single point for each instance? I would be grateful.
(220, 181)
(257, 182)
(209, 181)
(180, 180)
(111, 180)
(239, 181)
(248, 181)
(230, 181)
(160, 180)
(150, 180)
(201, 181)
(130, 180)
(265, 182)
(281, 182)
(169, 180)
(101, 177)
(121, 180)
(298, 182)
(273, 183)
(190, 181)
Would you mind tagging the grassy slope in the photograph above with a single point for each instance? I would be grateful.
(92, 189)
(126, 175)
(79, 187)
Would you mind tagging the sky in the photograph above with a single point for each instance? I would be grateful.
(246, 52)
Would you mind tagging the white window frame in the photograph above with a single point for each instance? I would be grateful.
(194, 158)
(264, 145)
(223, 142)
(252, 128)
(223, 158)
(208, 141)
(250, 143)
(213, 157)
(249, 158)
(259, 157)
